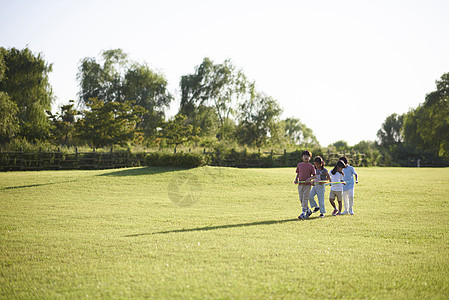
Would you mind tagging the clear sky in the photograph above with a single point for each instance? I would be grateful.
(341, 67)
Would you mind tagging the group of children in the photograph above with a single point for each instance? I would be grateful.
(312, 179)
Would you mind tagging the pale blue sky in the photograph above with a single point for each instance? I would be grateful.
(340, 66)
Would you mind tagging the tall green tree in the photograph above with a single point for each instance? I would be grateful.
(149, 90)
(298, 133)
(220, 86)
(102, 79)
(9, 123)
(25, 80)
(427, 126)
(113, 78)
(390, 134)
(257, 120)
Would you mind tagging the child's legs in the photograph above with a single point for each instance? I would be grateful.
(320, 189)
(313, 192)
(332, 199)
(339, 195)
(304, 192)
(300, 194)
(346, 199)
(350, 195)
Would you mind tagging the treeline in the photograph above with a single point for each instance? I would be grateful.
(123, 103)
(422, 134)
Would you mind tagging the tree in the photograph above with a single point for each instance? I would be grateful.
(427, 126)
(25, 80)
(341, 145)
(63, 123)
(371, 154)
(9, 123)
(177, 131)
(390, 133)
(106, 124)
(149, 90)
(220, 86)
(258, 118)
(102, 80)
(113, 78)
(299, 134)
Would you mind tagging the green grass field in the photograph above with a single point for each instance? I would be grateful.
(220, 233)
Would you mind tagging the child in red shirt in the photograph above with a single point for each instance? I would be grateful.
(304, 172)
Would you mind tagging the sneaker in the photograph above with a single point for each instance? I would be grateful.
(344, 213)
(301, 217)
(321, 215)
(351, 212)
(334, 213)
(316, 209)
(308, 213)
(338, 214)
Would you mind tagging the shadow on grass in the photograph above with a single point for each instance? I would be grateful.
(142, 171)
(207, 228)
(35, 185)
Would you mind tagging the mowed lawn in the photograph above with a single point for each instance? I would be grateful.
(220, 233)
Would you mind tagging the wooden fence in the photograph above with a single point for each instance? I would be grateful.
(18, 161)
(57, 160)
(273, 159)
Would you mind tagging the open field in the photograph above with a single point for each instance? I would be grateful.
(220, 233)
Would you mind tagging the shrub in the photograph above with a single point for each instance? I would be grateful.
(185, 160)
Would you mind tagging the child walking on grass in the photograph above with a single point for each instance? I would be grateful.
(337, 175)
(304, 173)
(348, 189)
(321, 177)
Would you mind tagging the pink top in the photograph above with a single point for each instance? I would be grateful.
(305, 170)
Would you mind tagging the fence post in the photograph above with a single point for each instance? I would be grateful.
(21, 158)
(77, 158)
(285, 158)
(218, 157)
(112, 158)
(59, 159)
(39, 159)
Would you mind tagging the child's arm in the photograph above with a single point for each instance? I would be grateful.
(312, 175)
(328, 177)
(296, 178)
(310, 178)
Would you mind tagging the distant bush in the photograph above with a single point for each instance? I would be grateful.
(185, 160)
(22, 144)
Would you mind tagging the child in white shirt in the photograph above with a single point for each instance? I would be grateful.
(337, 188)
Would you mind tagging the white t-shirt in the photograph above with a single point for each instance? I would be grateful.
(336, 178)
